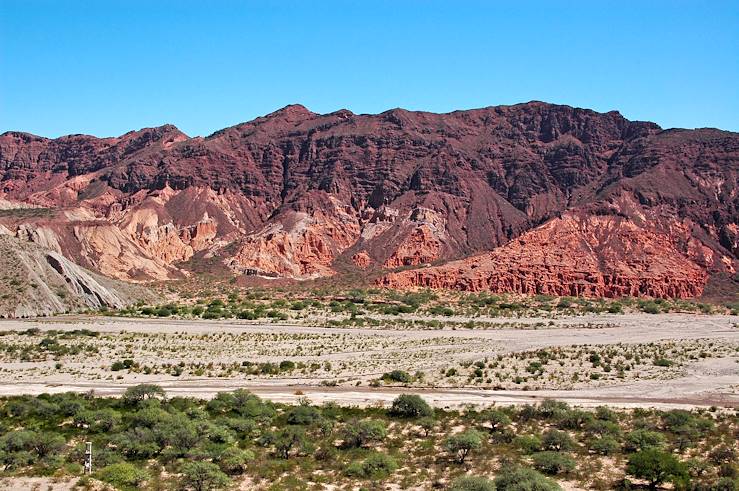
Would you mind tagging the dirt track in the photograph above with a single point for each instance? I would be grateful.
(712, 381)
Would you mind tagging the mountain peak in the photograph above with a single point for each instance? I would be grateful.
(292, 111)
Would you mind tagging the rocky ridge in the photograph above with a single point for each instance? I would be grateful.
(294, 193)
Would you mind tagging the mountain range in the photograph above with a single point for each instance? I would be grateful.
(532, 198)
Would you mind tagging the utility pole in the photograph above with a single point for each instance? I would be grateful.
(88, 457)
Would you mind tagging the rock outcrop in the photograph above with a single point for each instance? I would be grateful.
(291, 193)
(593, 256)
(39, 282)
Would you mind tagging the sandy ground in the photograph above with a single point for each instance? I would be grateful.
(37, 484)
(362, 353)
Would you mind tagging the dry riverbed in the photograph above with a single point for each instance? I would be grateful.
(667, 360)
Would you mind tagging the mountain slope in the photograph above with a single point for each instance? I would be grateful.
(40, 282)
(294, 194)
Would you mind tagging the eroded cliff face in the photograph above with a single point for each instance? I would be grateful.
(39, 282)
(292, 193)
(591, 256)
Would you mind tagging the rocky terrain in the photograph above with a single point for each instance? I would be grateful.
(37, 282)
(569, 201)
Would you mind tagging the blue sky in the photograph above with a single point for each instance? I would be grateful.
(107, 67)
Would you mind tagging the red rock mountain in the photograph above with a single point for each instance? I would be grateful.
(569, 201)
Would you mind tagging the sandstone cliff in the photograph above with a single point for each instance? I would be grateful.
(593, 256)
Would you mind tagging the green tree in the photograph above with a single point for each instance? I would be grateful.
(203, 476)
(142, 392)
(656, 466)
(497, 419)
(427, 424)
(48, 443)
(410, 406)
(303, 415)
(558, 441)
(642, 439)
(233, 460)
(461, 444)
(605, 445)
(359, 433)
(288, 439)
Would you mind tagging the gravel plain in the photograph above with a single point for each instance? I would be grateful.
(340, 364)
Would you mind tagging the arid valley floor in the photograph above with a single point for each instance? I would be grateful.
(585, 360)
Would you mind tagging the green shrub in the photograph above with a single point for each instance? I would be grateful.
(123, 475)
(303, 415)
(233, 460)
(642, 439)
(410, 406)
(472, 483)
(528, 444)
(656, 466)
(203, 476)
(461, 444)
(298, 305)
(605, 445)
(553, 462)
(441, 310)
(247, 314)
(398, 376)
(516, 478)
(376, 466)
(557, 441)
(650, 308)
(359, 433)
(163, 312)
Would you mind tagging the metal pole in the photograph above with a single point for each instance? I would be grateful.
(88, 457)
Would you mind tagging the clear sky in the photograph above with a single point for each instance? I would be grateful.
(107, 67)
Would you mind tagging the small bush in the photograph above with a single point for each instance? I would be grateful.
(472, 483)
(375, 466)
(606, 445)
(517, 478)
(553, 462)
(557, 441)
(303, 415)
(410, 406)
(123, 475)
(398, 376)
(528, 444)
